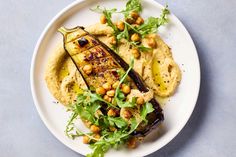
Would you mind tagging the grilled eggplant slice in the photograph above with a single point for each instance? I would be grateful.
(85, 49)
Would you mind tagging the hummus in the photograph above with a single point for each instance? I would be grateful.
(157, 68)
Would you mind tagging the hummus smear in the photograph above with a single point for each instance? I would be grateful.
(157, 68)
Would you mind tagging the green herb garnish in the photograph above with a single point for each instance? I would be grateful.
(132, 5)
(146, 109)
(150, 25)
(87, 105)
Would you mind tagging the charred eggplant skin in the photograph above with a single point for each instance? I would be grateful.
(153, 118)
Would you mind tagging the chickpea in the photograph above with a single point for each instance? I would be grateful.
(87, 123)
(135, 53)
(97, 136)
(112, 128)
(106, 86)
(103, 19)
(115, 85)
(139, 21)
(127, 114)
(107, 98)
(151, 42)
(125, 89)
(135, 37)
(86, 139)
(111, 93)
(112, 40)
(88, 69)
(134, 15)
(140, 101)
(120, 25)
(95, 129)
(130, 20)
(132, 143)
(100, 90)
(135, 25)
(111, 113)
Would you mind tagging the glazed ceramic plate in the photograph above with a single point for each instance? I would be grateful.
(177, 109)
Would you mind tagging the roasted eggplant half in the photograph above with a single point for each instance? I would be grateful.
(98, 64)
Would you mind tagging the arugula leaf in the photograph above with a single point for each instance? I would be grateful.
(99, 150)
(122, 104)
(70, 124)
(132, 5)
(95, 97)
(152, 23)
(133, 126)
(150, 26)
(85, 114)
(118, 121)
(140, 47)
(93, 107)
(143, 48)
(146, 109)
(108, 15)
(163, 19)
(80, 98)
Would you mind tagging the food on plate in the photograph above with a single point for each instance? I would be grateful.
(101, 68)
(109, 75)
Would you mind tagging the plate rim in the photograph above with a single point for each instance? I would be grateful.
(37, 104)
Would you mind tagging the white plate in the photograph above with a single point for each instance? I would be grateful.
(177, 111)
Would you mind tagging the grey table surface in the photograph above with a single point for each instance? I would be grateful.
(211, 128)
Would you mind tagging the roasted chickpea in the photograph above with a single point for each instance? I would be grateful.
(95, 129)
(127, 114)
(97, 136)
(125, 89)
(111, 93)
(135, 37)
(135, 53)
(151, 42)
(106, 86)
(130, 20)
(139, 21)
(134, 15)
(107, 98)
(135, 25)
(100, 90)
(87, 123)
(103, 19)
(120, 25)
(132, 143)
(88, 69)
(115, 85)
(86, 139)
(140, 101)
(112, 40)
(111, 113)
(112, 128)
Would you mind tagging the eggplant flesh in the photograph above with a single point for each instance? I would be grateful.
(84, 48)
